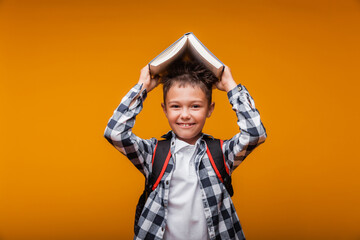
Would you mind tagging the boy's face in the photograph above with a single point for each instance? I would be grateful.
(186, 109)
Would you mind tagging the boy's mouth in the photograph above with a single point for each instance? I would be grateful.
(185, 125)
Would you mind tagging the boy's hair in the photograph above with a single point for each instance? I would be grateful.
(189, 72)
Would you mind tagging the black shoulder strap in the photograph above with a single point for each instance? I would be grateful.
(160, 161)
(218, 158)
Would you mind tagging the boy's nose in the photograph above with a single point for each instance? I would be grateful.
(185, 114)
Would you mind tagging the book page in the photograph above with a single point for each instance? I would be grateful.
(203, 55)
(169, 55)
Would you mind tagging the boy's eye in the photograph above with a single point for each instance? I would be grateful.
(196, 106)
(174, 106)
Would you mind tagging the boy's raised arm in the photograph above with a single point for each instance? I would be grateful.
(118, 131)
(252, 131)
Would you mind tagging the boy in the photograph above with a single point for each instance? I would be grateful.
(190, 202)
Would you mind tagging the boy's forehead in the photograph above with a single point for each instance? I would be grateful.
(180, 88)
(185, 91)
(178, 85)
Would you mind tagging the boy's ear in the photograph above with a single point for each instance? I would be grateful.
(164, 108)
(211, 109)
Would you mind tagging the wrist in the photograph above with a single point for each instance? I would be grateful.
(143, 85)
(230, 86)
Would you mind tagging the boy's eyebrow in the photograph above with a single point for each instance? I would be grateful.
(191, 101)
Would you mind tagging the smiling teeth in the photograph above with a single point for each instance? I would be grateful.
(185, 125)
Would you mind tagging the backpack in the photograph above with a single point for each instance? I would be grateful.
(160, 160)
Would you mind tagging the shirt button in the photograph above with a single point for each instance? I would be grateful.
(167, 182)
(162, 229)
(239, 88)
(172, 143)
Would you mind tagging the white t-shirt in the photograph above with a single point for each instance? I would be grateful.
(186, 219)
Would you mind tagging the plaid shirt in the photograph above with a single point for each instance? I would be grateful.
(222, 220)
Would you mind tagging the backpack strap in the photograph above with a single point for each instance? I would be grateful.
(159, 163)
(217, 160)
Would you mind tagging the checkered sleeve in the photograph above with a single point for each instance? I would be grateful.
(252, 131)
(119, 133)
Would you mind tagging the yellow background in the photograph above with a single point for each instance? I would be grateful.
(66, 64)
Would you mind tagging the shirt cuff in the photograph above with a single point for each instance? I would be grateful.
(235, 90)
(143, 93)
(240, 92)
(136, 96)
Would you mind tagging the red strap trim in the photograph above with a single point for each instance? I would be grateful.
(226, 167)
(162, 170)
(213, 164)
(153, 157)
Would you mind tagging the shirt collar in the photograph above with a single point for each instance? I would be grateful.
(179, 144)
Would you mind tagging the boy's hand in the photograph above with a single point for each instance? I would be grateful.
(227, 82)
(145, 79)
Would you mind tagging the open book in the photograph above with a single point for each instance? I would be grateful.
(186, 47)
